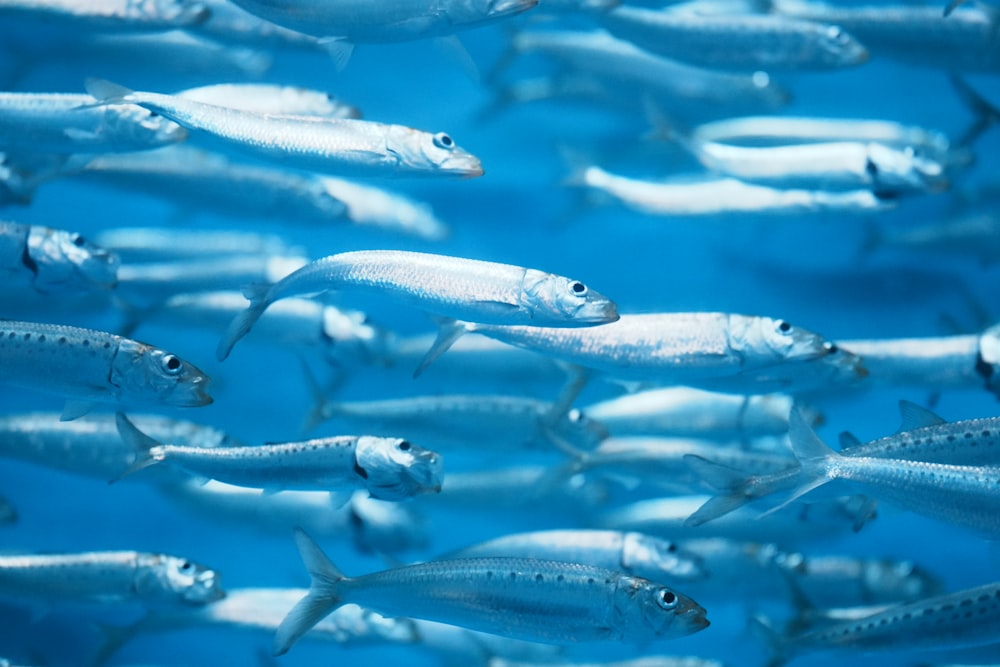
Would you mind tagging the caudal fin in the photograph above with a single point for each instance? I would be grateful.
(734, 487)
(321, 599)
(449, 331)
(142, 444)
(259, 296)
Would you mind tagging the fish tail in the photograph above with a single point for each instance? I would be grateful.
(321, 599)
(777, 645)
(322, 408)
(115, 637)
(986, 114)
(107, 92)
(259, 295)
(144, 446)
(449, 331)
(813, 455)
(734, 485)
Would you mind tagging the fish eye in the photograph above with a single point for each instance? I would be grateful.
(831, 348)
(672, 548)
(574, 416)
(442, 140)
(666, 598)
(404, 446)
(186, 566)
(578, 288)
(79, 241)
(783, 326)
(835, 33)
(171, 364)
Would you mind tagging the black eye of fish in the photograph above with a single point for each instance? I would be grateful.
(784, 327)
(667, 599)
(186, 565)
(171, 364)
(79, 241)
(578, 288)
(404, 446)
(442, 140)
(831, 347)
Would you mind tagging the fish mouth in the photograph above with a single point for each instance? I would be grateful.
(197, 394)
(507, 7)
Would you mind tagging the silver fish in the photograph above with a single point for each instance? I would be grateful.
(633, 553)
(67, 123)
(90, 446)
(260, 610)
(159, 244)
(54, 260)
(707, 195)
(231, 24)
(109, 14)
(933, 363)
(376, 207)
(972, 236)
(332, 145)
(458, 421)
(389, 468)
(520, 598)
(719, 351)
(446, 286)
(372, 526)
(646, 661)
(736, 42)
(89, 367)
(271, 98)
(108, 577)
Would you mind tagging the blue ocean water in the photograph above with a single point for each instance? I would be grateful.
(808, 270)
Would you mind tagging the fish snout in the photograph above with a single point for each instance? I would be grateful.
(508, 7)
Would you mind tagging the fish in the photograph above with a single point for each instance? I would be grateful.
(704, 349)
(371, 525)
(54, 260)
(389, 468)
(328, 145)
(259, 611)
(964, 495)
(88, 367)
(137, 245)
(705, 195)
(633, 553)
(108, 577)
(450, 287)
(929, 362)
(90, 446)
(458, 421)
(737, 41)
(972, 236)
(380, 208)
(695, 413)
(646, 661)
(529, 599)
(121, 15)
(271, 98)
(68, 123)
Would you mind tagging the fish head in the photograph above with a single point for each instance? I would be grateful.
(644, 609)
(770, 340)
(659, 559)
(147, 374)
(838, 48)
(66, 260)
(423, 153)
(395, 469)
(472, 12)
(136, 128)
(558, 301)
(771, 93)
(176, 13)
(174, 581)
(893, 170)
(988, 359)
(579, 430)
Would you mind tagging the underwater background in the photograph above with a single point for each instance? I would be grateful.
(814, 271)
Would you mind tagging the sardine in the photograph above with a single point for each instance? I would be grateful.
(54, 260)
(520, 598)
(108, 577)
(272, 99)
(389, 468)
(89, 367)
(330, 145)
(451, 287)
(117, 15)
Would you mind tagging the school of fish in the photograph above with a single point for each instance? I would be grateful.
(499, 333)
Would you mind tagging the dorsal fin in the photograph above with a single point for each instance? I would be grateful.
(913, 417)
(848, 440)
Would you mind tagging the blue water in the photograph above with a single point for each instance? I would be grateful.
(806, 270)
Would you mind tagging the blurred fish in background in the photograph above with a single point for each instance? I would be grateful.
(575, 331)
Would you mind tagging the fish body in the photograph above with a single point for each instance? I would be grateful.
(507, 422)
(117, 15)
(271, 98)
(633, 553)
(736, 41)
(707, 195)
(329, 145)
(389, 468)
(358, 21)
(66, 123)
(54, 260)
(379, 208)
(931, 362)
(201, 181)
(972, 237)
(90, 446)
(452, 287)
(108, 577)
(137, 245)
(88, 367)
(520, 598)
(709, 350)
